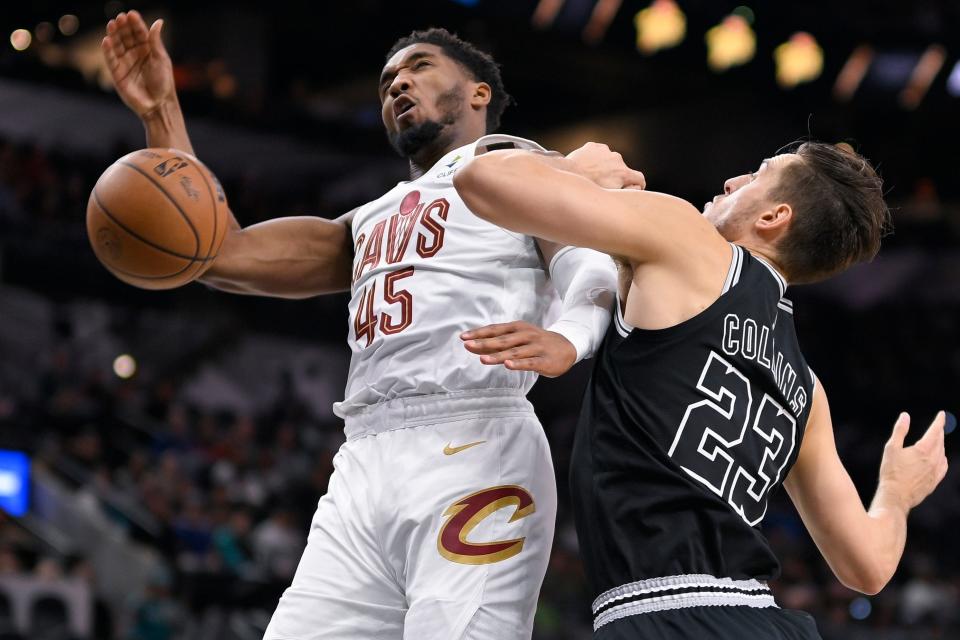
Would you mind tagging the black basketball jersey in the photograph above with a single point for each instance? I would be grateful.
(683, 435)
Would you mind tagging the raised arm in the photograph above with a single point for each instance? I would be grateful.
(863, 547)
(143, 76)
(293, 257)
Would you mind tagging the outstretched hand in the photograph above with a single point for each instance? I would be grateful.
(521, 346)
(138, 62)
(912, 473)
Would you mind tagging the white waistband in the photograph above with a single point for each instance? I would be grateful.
(401, 413)
(678, 592)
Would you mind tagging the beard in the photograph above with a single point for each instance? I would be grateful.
(428, 135)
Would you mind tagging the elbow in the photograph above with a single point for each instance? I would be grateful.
(868, 580)
(470, 180)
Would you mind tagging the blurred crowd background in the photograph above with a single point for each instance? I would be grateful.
(179, 441)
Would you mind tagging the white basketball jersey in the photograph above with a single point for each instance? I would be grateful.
(426, 269)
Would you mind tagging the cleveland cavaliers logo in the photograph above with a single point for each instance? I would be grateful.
(468, 512)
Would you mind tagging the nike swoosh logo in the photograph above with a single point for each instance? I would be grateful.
(449, 451)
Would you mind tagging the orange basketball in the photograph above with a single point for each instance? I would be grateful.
(156, 218)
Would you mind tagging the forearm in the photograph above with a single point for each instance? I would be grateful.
(533, 195)
(586, 281)
(166, 128)
(888, 530)
(285, 258)
(862, 548)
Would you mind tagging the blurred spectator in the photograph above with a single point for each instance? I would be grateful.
(158, 615)
(277, 545)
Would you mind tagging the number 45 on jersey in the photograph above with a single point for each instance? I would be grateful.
(389, 242)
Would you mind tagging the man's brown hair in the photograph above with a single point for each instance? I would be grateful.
(839, 214)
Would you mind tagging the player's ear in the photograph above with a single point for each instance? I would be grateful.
(775, 220)
(481, 95)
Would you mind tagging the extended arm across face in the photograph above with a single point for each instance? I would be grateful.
(539, 196)
(863, 547)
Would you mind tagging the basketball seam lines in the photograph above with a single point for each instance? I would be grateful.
(141, 238)
(186, 218)
(114, 268)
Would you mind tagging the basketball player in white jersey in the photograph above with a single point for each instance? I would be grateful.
(439, 516)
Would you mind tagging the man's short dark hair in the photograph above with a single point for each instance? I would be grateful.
(839, 214)
(479, 64)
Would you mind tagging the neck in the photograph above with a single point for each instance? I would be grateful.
(422, 161)
(769, 256)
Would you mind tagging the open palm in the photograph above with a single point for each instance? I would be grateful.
(138, 62)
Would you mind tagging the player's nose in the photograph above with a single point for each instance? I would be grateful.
(401, 84)
(733, 184)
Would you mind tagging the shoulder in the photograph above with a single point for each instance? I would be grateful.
(347, 218)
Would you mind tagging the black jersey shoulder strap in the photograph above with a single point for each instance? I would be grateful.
(624, 328)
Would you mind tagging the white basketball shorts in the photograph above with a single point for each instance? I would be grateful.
(437, 525)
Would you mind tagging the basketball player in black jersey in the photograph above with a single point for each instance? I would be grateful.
(701, 403)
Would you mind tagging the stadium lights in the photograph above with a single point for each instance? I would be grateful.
(953, 81)
(799, 60)
(68, 24)
(14, 482)
(922, 77)
(860, 608)
(854, 69)
(730, 43)
(660, 26)
(546, 12)
(603, 14)
(124, 366)
(20, 39)
(43, 32)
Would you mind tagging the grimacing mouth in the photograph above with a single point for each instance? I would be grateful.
(402, 104)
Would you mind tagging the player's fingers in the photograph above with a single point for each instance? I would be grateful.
(524, 351)
(900, 428)
(134, 17)
(493, 345)
(156, 42)
(107, 46)
(536, 363)
(933, 437)
(635, 180)
(491, 331)
(125, 31)
(138, 27)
